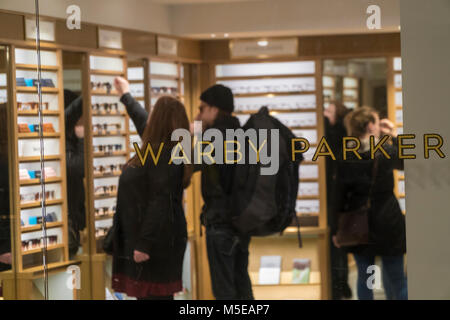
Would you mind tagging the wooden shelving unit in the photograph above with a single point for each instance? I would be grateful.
(395, 114)
(25, 151)
(103, 68)
(295, 98)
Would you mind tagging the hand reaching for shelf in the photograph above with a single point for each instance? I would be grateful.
(121, 85)
(140, 256)
(5, 258)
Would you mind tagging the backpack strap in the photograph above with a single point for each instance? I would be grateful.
(299, 236)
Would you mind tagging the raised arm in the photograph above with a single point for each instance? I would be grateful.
(137, 114)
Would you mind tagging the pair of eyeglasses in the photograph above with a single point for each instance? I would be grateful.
(27, 128)
(49, 217)
(169, 90)
(107, 107)
(105, 211)
(99, 232)
(101, 85)
(105, 190)
(108, 168)
(37, 196)
(26, 106)
(108, 147)
(106, 126)
(29, 82)
(38, 242)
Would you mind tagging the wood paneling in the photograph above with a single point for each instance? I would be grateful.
(12, 26)
(86, 37)
(358, 45)
(189, 49)
(139, 42)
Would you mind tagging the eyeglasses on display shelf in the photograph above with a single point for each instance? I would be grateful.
(28, 171)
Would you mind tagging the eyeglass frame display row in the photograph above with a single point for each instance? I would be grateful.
(37, 196)
(274, 88)
(52, 240)
(276, 106)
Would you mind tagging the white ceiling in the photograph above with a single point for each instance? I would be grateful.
(177, 2)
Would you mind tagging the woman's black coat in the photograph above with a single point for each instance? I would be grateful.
(149, 218)
(387, 234)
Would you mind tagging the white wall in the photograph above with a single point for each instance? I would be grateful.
(134, 14)
(425, 37)
(280, 17)
(239, 18)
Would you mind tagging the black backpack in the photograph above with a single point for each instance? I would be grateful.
(265, 204)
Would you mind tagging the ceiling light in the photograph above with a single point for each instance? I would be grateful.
(213, 35)
(263, 43)
(226, 35)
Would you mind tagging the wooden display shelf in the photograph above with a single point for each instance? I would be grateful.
(108, 114)
(38, 158)
(39, 250)
(35, 113)
(32, 182)
(105, 217)
(401, 195)
(272, 111)
(38, 227)
(34, 89)
(109, 154)
(31, 135)
(136, 81)
(275, 76)
(106, 72)
(34, 67)
(305, 231)
(273, 94)
(399, 107)
(110, 134)
(112, 93)
(302, 127)
(52, 267)
(105, 196)
(38, 204)
(308, 180)
(286, 279)
(309, 197)
(107, 175)
(164, 76)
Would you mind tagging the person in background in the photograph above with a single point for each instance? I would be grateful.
(150, 232)
(335, 131)
(387, 234)
(227, 250)
(73, 111)
(5, 227)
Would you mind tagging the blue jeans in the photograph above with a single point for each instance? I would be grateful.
(228, 264)
(394, 279)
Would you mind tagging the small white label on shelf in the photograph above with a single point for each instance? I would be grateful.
(109, 39)
(270, 48)
(167, 46)
(47, 29)
(270, 270)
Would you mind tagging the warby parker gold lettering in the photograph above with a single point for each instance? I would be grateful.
(324, 149)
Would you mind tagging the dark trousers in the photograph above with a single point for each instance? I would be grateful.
(339, 271)
(228, 264)
(393, 277)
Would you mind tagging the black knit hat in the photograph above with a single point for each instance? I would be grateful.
(219, 96)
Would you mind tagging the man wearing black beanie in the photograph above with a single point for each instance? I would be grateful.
(227, 251)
